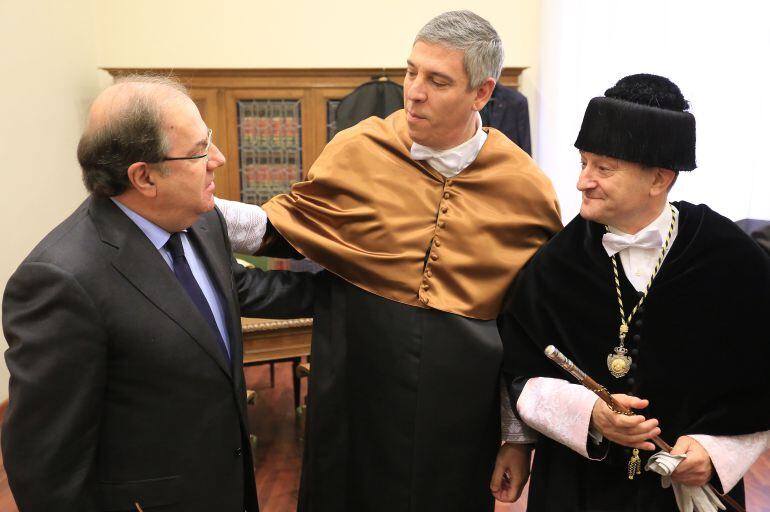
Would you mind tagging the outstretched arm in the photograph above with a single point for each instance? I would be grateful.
(246, 224)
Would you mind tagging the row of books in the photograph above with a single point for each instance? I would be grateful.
(287, 157)
(269, 123)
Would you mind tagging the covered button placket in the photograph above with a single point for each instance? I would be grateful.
(435, 246)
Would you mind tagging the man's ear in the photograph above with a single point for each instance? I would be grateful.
(663, 181)
(141, 179)
(483, 93)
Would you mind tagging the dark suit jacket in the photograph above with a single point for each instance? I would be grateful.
(762, 236)
(507, 111)
(119, 392)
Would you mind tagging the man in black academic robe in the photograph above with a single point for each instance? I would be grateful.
(695, 345)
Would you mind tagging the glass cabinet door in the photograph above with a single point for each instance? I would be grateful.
(269, 147)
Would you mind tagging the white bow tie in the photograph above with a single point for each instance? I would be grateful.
(646, 240)
(443, 160)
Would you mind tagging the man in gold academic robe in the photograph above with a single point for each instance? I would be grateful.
(422, 220)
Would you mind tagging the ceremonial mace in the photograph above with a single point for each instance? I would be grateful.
(561, 360)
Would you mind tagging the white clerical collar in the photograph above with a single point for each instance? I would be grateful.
(450, 162)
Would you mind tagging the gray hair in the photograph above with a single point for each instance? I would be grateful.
(469, 32)
(132, 133)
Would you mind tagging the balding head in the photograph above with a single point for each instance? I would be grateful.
(125, 125)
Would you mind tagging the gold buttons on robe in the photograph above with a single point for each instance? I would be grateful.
(433, 256)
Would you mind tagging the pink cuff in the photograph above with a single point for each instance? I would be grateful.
(732, 456)
(559, 410)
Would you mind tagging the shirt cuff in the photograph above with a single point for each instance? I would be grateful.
(246, 224)
(513, 429)
(732, 456)
(559, 410)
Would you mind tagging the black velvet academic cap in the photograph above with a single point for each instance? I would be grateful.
(642, 119)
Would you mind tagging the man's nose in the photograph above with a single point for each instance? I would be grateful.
(416, 91)
(216, 158)
(584, 180)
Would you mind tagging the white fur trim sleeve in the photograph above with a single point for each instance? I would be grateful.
(246, 224)
(559, 410)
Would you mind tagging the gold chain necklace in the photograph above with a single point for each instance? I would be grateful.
(618, 363)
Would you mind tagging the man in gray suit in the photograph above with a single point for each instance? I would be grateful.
(127, 390)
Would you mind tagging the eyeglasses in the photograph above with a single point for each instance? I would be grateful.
(196, 157)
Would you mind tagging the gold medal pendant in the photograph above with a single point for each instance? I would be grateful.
(619, 363)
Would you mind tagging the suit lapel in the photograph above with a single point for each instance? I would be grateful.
(218, 264)
(209, 242)
(141, 264)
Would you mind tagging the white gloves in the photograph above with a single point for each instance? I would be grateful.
(689, 498)
(246, 224)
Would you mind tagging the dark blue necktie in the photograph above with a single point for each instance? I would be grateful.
(185, 276)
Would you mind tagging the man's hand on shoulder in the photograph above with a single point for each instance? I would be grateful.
(511, 471)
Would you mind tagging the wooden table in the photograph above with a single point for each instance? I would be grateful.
(271, 341)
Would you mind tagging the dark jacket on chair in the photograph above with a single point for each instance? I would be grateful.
(507, 111)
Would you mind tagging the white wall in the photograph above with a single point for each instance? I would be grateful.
(715, 53)
(48, 58)
(51, 50)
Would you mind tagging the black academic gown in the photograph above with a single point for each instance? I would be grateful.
(698, 345)
(385, 432)
(403, 403)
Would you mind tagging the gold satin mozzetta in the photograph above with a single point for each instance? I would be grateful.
(399, 229)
